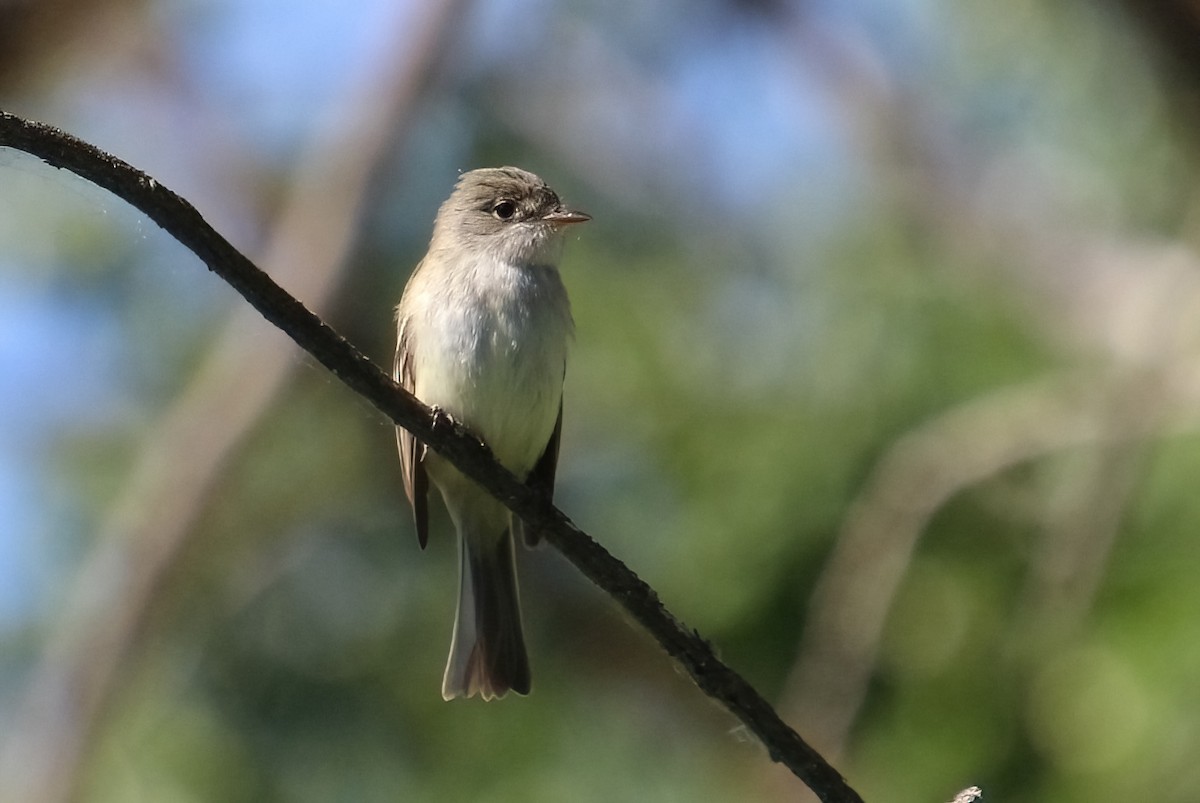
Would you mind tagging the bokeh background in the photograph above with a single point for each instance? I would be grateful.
(886, 378)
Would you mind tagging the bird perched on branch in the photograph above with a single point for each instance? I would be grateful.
(484, 326)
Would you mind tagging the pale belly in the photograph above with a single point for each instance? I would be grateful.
(498, 369)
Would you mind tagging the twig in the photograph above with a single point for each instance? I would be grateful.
(145, 535)
(178, 218)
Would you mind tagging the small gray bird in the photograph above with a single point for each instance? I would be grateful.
(483, 331)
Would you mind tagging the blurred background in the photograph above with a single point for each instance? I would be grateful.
(887, 377)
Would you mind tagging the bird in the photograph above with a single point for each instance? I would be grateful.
(484, 327)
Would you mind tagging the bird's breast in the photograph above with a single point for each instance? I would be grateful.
(492, 354)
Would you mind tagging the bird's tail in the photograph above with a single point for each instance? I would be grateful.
(487, 655)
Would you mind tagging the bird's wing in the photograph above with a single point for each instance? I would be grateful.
(412, 452)
(541, 479)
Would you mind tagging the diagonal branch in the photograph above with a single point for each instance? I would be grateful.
(147, 531)
(181, 220)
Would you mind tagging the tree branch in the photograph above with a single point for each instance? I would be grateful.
(145, 534)
(181, 220)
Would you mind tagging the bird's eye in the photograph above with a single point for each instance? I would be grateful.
(504, 210)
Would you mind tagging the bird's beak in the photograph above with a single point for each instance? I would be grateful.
(564, 217)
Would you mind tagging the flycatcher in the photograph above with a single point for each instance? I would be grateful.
(483, 331)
